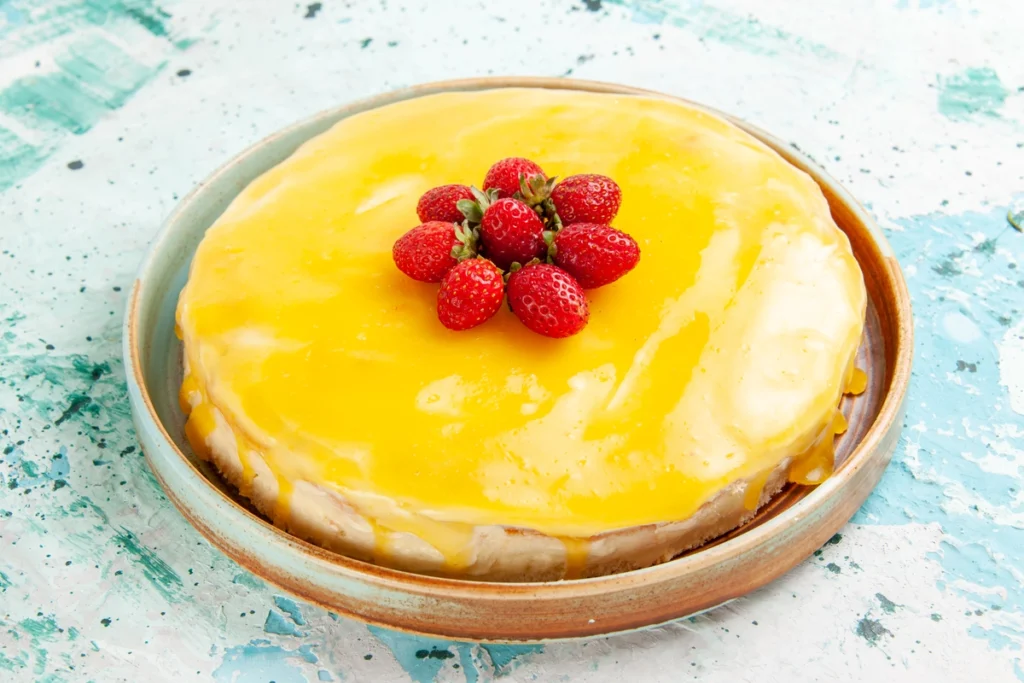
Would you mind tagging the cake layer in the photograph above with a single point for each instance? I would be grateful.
(721, 357)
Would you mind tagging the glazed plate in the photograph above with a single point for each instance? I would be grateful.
(791, 527)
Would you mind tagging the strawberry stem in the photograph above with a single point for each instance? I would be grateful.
(470, 209)
(536, 193)
(468, 236)
(474, 209)
(549, 239)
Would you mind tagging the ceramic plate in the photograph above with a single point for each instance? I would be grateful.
(796, 522)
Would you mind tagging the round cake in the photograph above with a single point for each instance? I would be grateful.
(320, 383)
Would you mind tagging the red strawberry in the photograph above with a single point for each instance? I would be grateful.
(595, 254)
(470, 294)
(587, 198)
(504, 175)
(438, 204)
(548, 300)
(428, 251)
(511, 231)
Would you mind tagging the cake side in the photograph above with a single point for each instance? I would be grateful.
(494, 553)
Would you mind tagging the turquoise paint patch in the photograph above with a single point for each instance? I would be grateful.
(19, 662)
(29, 468)
(5, 582)
(280, 626)
(37, 22)
(468, 665)
(14, 318)
(323, 675)
(105, 69)
(736, 30)
(20, 159)
(888, 606)
(94, 75)
(44, 627)
(53, 102)
(78, 508)
(39, 631)
(146, 14)
(42, 657)
(421, 657)
(159, 574)
(998, 637)
(974, 91)
(291, 608)
(974, 561)
(955, 362)
(259, 662)
(9, 664)
(13, 17)
(248, 580)
(505, 657)
(30, 477)
(94, 393)
(60, 465)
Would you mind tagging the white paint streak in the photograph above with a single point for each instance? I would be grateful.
(1011, 365)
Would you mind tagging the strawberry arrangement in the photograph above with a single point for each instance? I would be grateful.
(524, 236)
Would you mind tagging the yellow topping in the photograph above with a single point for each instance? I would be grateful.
(858, 382)
(576, 550)
(725, 352)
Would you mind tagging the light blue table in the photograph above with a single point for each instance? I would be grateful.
(112, 109)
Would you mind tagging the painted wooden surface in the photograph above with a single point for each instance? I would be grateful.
(112, 109)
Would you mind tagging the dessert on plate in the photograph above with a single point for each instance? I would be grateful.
(329, 388)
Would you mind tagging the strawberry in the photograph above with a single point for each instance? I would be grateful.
(594, 254)
(548, 300)
(587, 198)
(504, 175)
(470, 294)
(428, 251)
(510, 231)
(439, 204)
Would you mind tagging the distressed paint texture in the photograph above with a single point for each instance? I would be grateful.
(93, 57)
(110, 110)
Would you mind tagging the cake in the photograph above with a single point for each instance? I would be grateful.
(319, 382)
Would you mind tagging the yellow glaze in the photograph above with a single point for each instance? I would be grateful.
(725, 352)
